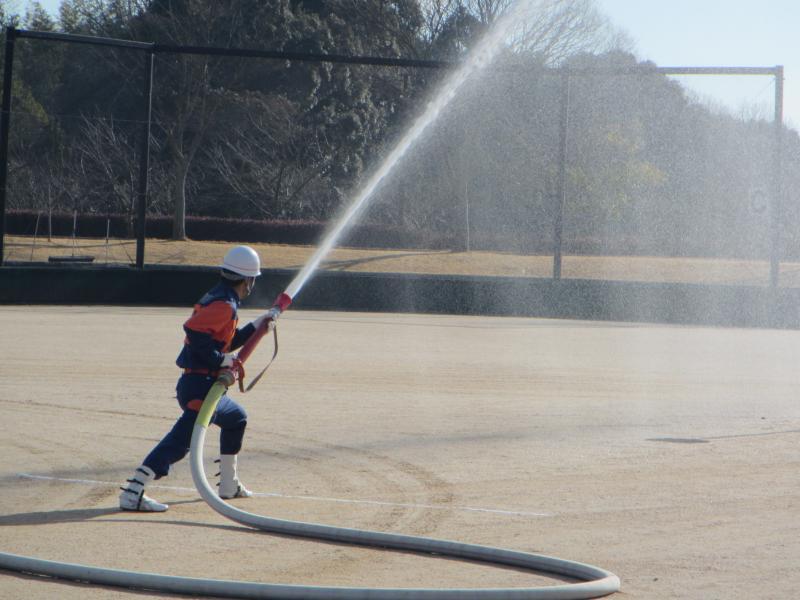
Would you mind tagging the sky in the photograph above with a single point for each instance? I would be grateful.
(703, 33)
(720, 33)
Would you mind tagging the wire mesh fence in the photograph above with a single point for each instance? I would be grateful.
(609, 172)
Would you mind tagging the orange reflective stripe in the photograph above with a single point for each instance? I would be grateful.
(194, 405)
(209, 372)
(215, 319)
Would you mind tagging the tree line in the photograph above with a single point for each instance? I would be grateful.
(648, 168)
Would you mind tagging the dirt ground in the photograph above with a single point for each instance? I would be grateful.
(667, 455)
(621, 268)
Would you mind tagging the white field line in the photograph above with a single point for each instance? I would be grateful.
(496, 511)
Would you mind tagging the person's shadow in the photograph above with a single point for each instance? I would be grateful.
(83, 514)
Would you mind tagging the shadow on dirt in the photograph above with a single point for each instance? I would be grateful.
(69, 516)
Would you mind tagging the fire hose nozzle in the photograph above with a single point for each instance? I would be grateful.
(283, 302)
(227, 378)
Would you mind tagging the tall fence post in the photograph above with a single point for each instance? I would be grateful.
(776, 204)
(5, 125)
(144, 160)
(561, 189)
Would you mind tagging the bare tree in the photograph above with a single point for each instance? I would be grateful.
(270, 159)
(435, 14)
(550, 29)
(184, 114)
(183, 111)
(487, 11)
(106, 162)
(554, 30)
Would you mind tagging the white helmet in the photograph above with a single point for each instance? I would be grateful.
(242, 260)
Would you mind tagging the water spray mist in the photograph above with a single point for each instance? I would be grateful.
(478, 59)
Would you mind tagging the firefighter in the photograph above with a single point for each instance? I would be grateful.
(212, 334)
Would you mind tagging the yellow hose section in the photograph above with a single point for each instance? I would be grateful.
(210, 404)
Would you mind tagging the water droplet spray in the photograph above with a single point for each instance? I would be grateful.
(477, 60)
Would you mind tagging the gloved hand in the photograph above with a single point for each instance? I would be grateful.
(231, 361)
(271, 316)
(228, 360)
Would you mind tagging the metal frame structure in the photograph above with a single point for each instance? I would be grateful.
(776, 187)
(151, 49)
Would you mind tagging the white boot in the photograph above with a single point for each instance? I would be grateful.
(133, 497)
(229, 484)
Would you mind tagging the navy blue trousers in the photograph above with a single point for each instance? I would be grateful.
(230, 417)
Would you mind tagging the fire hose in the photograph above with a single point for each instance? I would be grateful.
(593, 582)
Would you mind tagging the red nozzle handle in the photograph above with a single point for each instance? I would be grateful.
(281, 303)
(250, 344)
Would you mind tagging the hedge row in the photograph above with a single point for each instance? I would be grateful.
(220, 229)
(266, 232)
(378, 236)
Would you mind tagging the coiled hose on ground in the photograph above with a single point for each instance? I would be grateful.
(593, 581)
